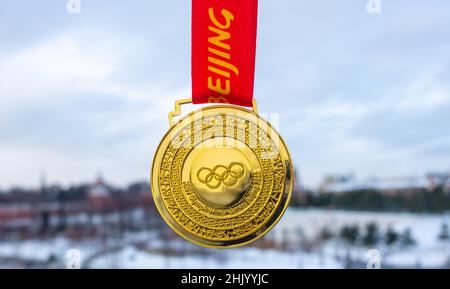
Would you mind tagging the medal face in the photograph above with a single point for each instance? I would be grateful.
(221, 177)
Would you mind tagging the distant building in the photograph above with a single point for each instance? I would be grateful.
(53, 208)
(339, 183)
(439, 179)
(348, 183)
(100, 196)
(16, 212)
(99, 190)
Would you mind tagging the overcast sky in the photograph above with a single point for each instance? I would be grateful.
(89, 93)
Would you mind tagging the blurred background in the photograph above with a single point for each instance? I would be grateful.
(362, 89)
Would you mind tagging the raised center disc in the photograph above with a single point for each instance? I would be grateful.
(220, 175)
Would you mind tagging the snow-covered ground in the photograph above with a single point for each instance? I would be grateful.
(425, 227)
(145, 249)
(230, 259)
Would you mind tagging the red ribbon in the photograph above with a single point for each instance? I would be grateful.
(223, 51)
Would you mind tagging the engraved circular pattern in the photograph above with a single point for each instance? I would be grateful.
(235, 215)
(256, 209)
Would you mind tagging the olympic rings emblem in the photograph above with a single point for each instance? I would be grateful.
(220, 174)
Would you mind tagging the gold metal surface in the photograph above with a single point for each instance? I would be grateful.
(222, 176)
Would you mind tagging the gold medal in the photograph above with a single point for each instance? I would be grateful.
(222, 176)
